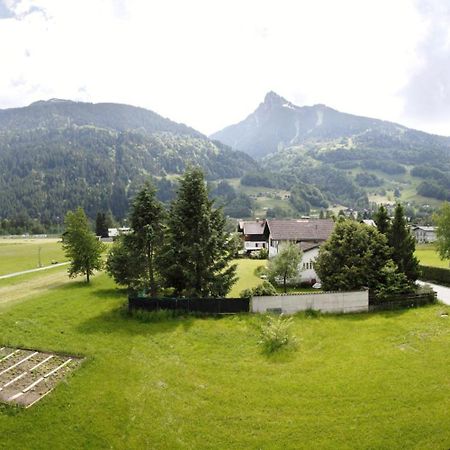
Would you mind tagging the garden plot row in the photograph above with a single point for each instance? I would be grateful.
(26, 375)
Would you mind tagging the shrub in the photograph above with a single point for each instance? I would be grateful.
(266, 288)
(275, 333)
(436, 274)
(260, 270)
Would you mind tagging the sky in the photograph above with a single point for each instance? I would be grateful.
(209, 63)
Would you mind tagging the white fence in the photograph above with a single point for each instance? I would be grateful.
(333, 302)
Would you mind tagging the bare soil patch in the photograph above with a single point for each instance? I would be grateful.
(26, 376)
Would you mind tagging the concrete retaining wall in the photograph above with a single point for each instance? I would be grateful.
(333, 302)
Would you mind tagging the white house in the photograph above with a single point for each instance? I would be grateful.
(253, 235)
(424, 234)
(309, 234)
(114, 232)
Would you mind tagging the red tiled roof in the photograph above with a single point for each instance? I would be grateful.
(301, 229)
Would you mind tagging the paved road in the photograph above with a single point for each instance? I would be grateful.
(15, 274)
(443, 293)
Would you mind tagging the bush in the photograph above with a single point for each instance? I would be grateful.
(260, 270)
(436, 274)
(266, 288)
(275, 333)
(261, 254)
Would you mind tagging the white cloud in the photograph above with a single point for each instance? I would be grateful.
(209, 63)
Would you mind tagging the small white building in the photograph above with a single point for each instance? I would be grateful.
(253, 235)
(309, 234)
(114, 232)
(424, 234)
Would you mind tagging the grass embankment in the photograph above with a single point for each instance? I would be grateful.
(17, 255)
(428, 256)
(246, 275)
(355, 381)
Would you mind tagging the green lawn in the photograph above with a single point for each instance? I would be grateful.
(23, 254)
(246, 275)
(355, 381)
(428, 256)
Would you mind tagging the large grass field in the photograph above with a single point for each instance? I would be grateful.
(354, 381)
(428, 256)
(23, 254)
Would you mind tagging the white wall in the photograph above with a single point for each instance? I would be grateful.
(333, 302)
(308, 259)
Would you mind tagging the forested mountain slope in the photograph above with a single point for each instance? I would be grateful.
(342, 155)
(57, 155)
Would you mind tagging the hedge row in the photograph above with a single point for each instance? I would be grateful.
(436, 274)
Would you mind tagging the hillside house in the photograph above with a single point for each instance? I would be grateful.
(424, 234)
(309, 234)
(252, 235)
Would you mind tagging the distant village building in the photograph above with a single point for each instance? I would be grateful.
(308, 234)
(424, 234)
(114, 232)
(253, 235)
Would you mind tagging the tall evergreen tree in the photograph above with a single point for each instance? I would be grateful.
(403, 246)
(81, 245)
(102, 223)
(139, 249)
(146, 220)
(197, 255)
(381, 218)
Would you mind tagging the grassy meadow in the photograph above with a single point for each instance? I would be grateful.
(23, 254)
(428, 256)
(351, 381)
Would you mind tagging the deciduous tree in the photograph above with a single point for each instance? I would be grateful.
(81, 246)
(285, 264)
(442, 221)
(353, 257)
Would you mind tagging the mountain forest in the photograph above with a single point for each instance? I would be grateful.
(282, 160)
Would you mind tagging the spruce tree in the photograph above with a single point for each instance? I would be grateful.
(196, 258)
(381, 218)
(146, 220)
(403, 246)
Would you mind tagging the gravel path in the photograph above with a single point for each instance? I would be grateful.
(24, 272)
(443, 293)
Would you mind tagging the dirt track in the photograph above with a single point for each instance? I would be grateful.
(32, 286)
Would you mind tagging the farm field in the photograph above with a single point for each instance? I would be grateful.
(428, 256)
(354, 381)
(17, 255)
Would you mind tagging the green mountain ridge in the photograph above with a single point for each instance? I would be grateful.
(57, 155)
(345, 156)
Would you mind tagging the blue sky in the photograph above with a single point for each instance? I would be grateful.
(209, 63)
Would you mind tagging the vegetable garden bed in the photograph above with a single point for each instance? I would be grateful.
(26, 376)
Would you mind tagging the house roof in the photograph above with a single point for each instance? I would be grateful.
(307, 246)
(301, 229)
(424, 228)
(252, 227)
(369, 222)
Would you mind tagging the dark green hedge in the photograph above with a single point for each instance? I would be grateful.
(436, 274)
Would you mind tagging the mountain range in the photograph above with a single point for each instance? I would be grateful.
(344, 156)
(56, 155)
